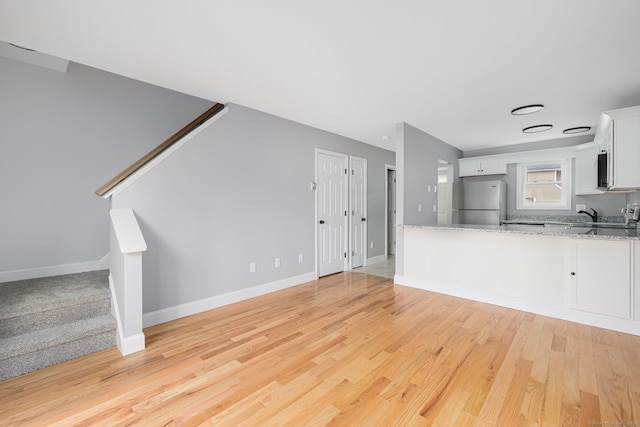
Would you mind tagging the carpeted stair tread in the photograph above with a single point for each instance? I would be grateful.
(50, 337)
(25, 297)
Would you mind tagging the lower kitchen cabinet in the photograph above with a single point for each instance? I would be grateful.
(589, 280)
(600, 277)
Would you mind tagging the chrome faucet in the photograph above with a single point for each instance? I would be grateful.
(631, 213)
(594, 216)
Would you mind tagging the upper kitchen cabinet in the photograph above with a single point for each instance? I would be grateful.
(586, 179)
(618, 137)
(475, 166)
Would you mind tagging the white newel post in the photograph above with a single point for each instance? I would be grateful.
(127, 245)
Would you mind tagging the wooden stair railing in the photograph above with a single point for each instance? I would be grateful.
(159, 149)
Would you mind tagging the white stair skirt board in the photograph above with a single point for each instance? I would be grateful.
(54, 270)
(194, 307)
(615, 324)
(376, 259)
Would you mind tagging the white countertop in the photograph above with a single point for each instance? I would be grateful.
(539, 230)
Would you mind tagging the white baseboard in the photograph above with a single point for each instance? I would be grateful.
(375, 259)
(194, 307)
(131, 344)
(564, 313)
(54, 270)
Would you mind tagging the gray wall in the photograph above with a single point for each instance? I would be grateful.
(417, 155)
(238, 193)
(63, 135)
(421, 153)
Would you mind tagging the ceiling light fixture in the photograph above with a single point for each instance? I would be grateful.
(527, 109)
(578, 129)
(537, 128)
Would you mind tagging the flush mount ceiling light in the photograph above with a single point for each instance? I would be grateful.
(578, 129)
(527, 109)
(537, 128)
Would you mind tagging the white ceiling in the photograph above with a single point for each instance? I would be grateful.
(453, 68)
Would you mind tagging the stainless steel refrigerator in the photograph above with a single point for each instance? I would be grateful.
(481, 203)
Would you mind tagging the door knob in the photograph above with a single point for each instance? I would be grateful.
(573, 273)
(322, 221)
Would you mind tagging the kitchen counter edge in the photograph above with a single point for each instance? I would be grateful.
(602, 233)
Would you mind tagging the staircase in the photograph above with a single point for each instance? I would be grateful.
(49, 320)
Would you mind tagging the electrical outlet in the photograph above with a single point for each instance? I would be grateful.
(419, 207)
(581, 208)
(372, 244)
(435, 208)
(429, 188)
(252, 267)
(300, 258)
(277, 263)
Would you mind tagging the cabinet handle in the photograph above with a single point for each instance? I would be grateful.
(573, 273)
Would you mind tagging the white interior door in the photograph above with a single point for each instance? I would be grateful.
(358, 202)
(391, 211)
(331, 178)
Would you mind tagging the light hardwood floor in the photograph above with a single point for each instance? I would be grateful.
(350, 349)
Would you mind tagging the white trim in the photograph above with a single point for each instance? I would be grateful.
(621, 325)
(565, 204)
(194, 307)
(160, 157)
(376, 259)
(131, 344)
(105, 262)
(53, 270)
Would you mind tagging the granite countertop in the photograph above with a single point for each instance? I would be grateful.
(549, 228)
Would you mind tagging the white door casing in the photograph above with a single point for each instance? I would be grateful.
(331, 211)
(358, 209)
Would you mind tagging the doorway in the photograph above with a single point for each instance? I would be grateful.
(390, 211)
(445, 193)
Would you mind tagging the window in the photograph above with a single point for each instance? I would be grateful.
(544, 185)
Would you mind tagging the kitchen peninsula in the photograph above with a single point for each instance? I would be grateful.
(582, 274)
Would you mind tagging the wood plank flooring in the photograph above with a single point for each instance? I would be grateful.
(346, 350)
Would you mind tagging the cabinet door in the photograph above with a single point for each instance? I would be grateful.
(493, 167)
(601, 277)
(587, 171)
(468, 167)
(626, 152)
(471, 167)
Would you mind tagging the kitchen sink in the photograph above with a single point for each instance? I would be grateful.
(603, 225)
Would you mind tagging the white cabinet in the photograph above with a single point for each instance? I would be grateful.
(618, 134)
(474, 167)
(600, 278)
(587, 169)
